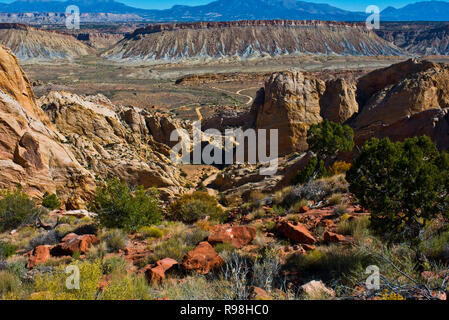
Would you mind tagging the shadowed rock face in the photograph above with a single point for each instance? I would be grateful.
(32, 153)
(247, 39)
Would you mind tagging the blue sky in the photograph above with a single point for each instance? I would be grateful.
(354, 5)
(358, 5)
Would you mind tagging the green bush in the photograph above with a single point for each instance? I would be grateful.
(7, 250)
(436, 247)
(329, 138)
(16, 208)
(115, 240)
(190, 208)
(151, 232)
(114, 265)
(312, 168)
(51, 201)
(9, 283)
(128, 287)
(404, 184)
(118, 207)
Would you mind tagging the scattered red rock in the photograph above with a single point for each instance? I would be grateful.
(72, 243)
(334, 237)
(38, 255)
(296, 232)
(238, 236)
(136, 255)
(308, 247)
(303, 209)
(202, 259)
(157, 274)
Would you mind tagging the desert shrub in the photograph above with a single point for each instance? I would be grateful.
(7, 250)
(341, 209)
(51, 201)
(128, 287)
(195, 287)
(318, 190)
(45, 238)
(151, 232)
(335, 199)
(16, 209)
(328, 138)
(224, 247)
(314, 169)
(118, 207)
(356, 227)
(179, 244)
(52, 286)
(114, 265)
(436, 247)
(333, 264)
(115, 240)
(297, 205)
(404, 185)
(17, 266)
(9, 283)
(339, 167)
(278, 210)
(266, 270)
(190, 208)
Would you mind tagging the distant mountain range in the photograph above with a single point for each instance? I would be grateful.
(227, 10)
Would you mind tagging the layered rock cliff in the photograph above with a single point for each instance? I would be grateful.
(247, 39)
(30, 43)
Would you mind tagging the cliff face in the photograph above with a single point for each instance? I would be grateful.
(248, 39)
(29, 43)
(112, 141)
(407, 99)
(32, 153)
(421, 38)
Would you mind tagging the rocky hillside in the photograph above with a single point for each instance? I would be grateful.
(115, 141)
(421, 38)
(247, 39)
(77, 138)
(30, 44)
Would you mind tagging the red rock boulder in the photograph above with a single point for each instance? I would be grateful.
(238, 236)
(157, 274)
(38, 255)
(296, 232)
(72, 243)
(334, 237)
(202, 259)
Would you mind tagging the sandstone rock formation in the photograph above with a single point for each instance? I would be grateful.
(292, 102)
(404, 100)
(38, 255)
(112, 141)
(32, 153)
